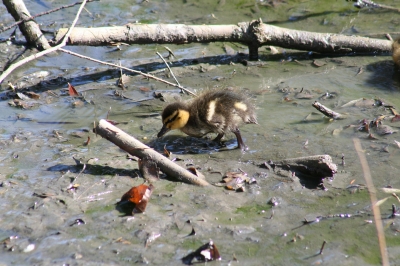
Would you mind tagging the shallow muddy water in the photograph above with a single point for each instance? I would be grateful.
(45, 222)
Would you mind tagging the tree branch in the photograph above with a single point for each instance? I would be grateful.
(29, 28)
(137, 148)
(49, 50)
(254, 34)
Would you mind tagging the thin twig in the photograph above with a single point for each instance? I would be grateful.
(83, 169)
(86, 190)
(322, 248)
(127, 69)
(42, 53)
(41, 14)
(372, 195)
(170, 71)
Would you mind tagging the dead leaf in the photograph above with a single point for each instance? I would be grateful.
(318, 63)
(77, 103)
(72, 91)
(33, 95)
(397, 143)
(139, 196)
(207, 252)
(194, 171)
(274, 50)
(234, 181)
(395, 118)
(86, 143)
(167, 153)
(22, 96)
(144, 89)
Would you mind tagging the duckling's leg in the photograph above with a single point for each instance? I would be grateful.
(219, 137)
(240, 142)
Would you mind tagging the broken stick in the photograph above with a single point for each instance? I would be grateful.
(137, 148)
(328, 112)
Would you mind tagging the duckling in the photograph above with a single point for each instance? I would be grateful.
(211, 112)
(396, 52)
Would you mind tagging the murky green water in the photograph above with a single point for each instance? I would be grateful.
(37, 146)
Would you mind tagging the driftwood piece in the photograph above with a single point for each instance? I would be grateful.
(30, 28)
(255, 34)
(316, 166)
(137, 148)
(326, 111)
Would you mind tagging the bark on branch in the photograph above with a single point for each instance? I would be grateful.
(136, 148)
(254, 34)
(30, 29)
(328, 112)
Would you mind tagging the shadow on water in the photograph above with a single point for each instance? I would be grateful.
(93, 170)
(191, 145)
(385, 75)
(240, 58)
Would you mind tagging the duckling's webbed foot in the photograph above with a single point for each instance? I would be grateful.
(218, 138)
(240, 142)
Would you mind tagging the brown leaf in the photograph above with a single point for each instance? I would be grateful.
(72, 91)
(194, 171)
(112, 122)
(318, 63)
(77, 103)
(207, 252)
(395, 118)
(144, 89)
(139, 196)
(234, 181)
(33, 95)
(167, 153)
(86, 143)
(397, 143)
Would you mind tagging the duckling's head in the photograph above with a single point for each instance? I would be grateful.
(174, 116)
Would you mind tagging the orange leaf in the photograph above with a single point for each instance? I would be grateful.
(139, 196)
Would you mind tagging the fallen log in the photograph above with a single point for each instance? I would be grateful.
(254, 34)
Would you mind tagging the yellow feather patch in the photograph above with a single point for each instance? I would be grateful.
(168, 119)
(211, 110)
(240, 106)
(179, 121)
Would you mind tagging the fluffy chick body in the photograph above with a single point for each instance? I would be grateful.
(211, 112)
(396, 52)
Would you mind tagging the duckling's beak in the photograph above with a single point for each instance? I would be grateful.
(163, 131)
